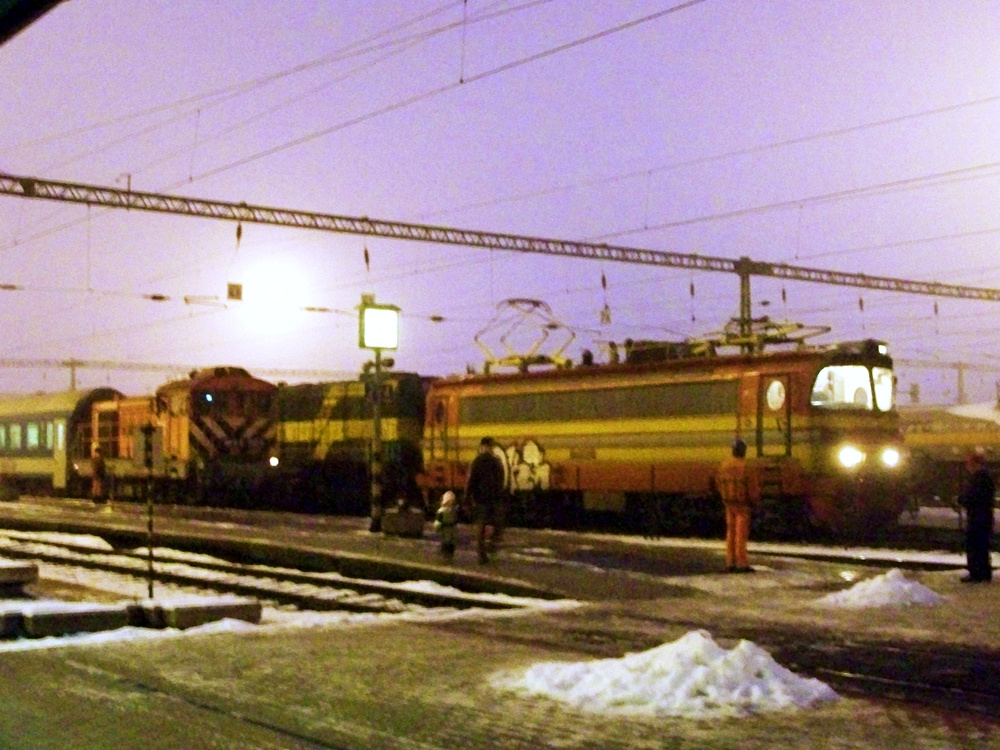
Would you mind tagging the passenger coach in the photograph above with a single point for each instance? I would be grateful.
(45, 437)
(644, 439)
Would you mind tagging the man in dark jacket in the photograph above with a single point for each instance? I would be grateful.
(485, 489)
(977, 499)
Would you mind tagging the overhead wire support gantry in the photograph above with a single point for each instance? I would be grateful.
(744, 267)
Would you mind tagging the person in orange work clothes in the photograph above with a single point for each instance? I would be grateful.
(740, 494)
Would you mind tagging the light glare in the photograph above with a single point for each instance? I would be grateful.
(380, 328)
(850, 456)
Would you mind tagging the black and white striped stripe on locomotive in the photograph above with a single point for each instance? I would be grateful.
(645, 439)
(212, 438)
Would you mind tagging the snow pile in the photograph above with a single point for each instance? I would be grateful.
(887, 590)
(691, 677)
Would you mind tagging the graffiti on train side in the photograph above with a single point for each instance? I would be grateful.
(525, 467)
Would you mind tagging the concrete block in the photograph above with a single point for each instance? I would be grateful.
(59, 618)
(188, 614)
(16, 573)
(408, 523)
(11, 623)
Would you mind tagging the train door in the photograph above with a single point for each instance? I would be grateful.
(443, 443)
(60, 472)
(440, 444)
(774, 416)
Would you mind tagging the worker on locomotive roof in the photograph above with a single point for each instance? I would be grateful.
(485, 489)
(740, 494)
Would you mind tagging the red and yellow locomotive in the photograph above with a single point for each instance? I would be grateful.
(645, 437)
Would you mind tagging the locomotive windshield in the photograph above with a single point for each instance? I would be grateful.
(853, 387)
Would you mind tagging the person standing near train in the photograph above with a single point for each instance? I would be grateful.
(446, 524)
(977, 498)
(740, 494)
(98, 477)
(485, 490)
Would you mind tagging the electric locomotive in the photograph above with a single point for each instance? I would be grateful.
(643, 438)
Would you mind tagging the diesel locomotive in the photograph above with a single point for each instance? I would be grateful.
(323, 443)
(208, 438)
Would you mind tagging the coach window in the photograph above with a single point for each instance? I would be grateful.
(3, 437)
(49, 435)
(15, 437)
(32, 436)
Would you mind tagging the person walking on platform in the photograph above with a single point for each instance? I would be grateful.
(977, 499)
(740, 494)
(485, 490)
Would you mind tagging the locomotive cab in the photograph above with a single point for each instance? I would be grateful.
(852, 404)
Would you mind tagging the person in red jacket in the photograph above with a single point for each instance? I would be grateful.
(740, 494)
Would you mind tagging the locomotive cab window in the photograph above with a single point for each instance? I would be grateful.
(853, 387)
(884, 387)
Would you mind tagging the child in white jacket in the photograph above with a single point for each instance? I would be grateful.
(446, 523)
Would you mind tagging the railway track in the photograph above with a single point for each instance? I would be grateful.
(282, 586)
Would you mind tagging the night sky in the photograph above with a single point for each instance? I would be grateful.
(851, 136)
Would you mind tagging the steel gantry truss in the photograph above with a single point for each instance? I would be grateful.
(74, 364)
(744, 267)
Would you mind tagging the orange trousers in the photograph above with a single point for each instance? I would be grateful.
(737, 536)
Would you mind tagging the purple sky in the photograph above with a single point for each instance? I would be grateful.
(726, 128)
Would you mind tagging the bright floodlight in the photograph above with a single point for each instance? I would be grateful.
(379, 327)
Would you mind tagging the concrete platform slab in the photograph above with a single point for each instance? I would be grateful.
(11, 623)
(60, 618)
(17, 573)
(183, 615)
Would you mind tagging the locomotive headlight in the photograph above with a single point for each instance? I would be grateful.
(849, 456)
(273, 461)
(890, 457)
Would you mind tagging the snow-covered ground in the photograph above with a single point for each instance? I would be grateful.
(692, 676)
